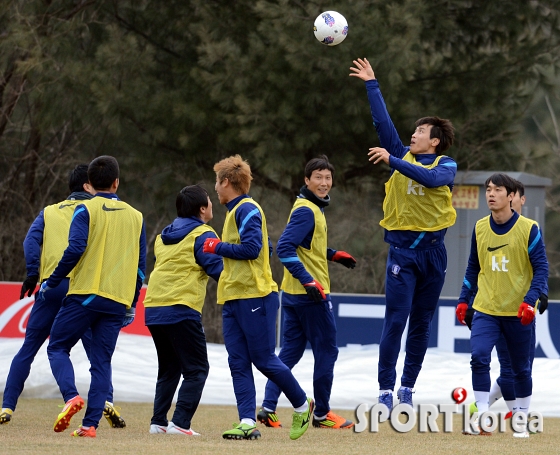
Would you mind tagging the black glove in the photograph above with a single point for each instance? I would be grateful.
(468, 317)
(543, 304)
(29, 286)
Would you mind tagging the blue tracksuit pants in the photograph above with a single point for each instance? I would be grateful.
(39, 325)
(314, 323)
(506, 379)
(485, 333)
(70, 324)
(414, 280)
(249, 327)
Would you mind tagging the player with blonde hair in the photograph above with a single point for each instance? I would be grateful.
(250, 302)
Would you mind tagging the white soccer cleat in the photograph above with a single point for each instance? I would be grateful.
(521, 434)
(157, 429)
(174, 429)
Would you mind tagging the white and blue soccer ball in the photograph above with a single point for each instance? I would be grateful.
(330, 28)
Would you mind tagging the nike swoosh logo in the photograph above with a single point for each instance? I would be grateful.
(304, 422)
(255, 309)
(107, 209)
(494, 248)
(61, 206)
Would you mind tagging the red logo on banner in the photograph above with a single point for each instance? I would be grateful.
(14, 312)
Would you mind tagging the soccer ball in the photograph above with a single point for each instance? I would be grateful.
(330, 28)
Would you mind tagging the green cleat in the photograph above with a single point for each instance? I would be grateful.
(242, 431)
(473, 408)
(300, 420)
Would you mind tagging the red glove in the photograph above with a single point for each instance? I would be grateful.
(345, 259)
(210, 245)
(315, 291)
(526, 313)
(461, 312)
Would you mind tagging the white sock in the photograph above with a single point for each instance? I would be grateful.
(481, 401)
(268, 410)
(249, 422)
(495, 393)
(381, 392)
(319, 418)
(512, 405)
(304, 407)
(523, 404)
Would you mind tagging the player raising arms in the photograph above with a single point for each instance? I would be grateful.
(417, 212)
(250, 299)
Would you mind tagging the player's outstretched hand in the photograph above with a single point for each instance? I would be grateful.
(28, 286)
(315, 291)
(342, 257)
(526, 313)
(378, 154)
(362, 69)
(461, 312)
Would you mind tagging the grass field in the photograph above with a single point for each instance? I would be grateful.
(30, 432)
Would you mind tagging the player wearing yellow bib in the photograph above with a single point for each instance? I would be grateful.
(417, 212)
(174, 302)
(250, 299)
(106, 260)
(306, 305)
(508, 264)
(43, 247)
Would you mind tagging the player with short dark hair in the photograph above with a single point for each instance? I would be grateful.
(504, 385)
(249, 297)
(106, 260)
(306, 305)
(508, 266)
(417, 213)
(173, 303)
(43, 247)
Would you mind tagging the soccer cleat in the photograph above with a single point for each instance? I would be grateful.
(404, 394)
(6, 416)
(475, 430)
(158, 429)
(84, 432)
(300, 420)
(270, 419)
(473, 408)
(242, 431)
(332, 421)
(111, 413)
(508, 415)
(70, 408)
(174, 429)
(387, 400)
(521, 434)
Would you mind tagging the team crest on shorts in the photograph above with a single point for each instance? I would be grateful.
(395, 269)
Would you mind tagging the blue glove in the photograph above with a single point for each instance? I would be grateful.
(129, 316)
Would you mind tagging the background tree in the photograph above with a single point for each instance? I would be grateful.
(171, 87)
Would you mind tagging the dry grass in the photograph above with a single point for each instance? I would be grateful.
(30, 432)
